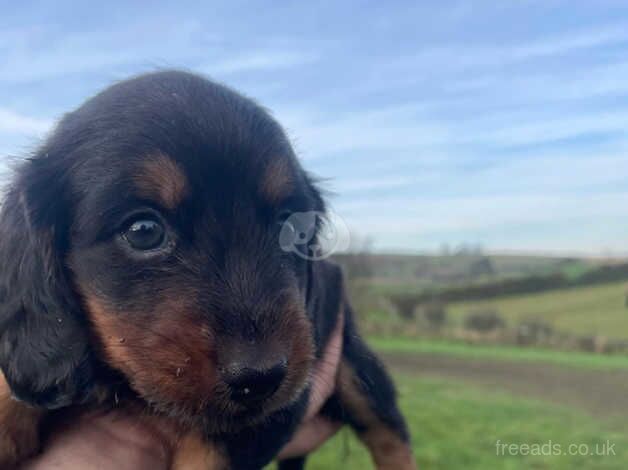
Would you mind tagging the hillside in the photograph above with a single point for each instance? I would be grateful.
(460, 268)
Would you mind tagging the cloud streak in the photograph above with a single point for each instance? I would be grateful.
(260, 60)
(15, 123)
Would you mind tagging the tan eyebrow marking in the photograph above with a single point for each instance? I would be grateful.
(277, 180)
(162, 179)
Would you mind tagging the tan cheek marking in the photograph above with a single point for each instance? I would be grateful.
(19, 428)
(277, 180)
(167, 359)
(388, 450)
(194, 453)
(162, 179)
(295, 329)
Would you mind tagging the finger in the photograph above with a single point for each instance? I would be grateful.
(310, 436)
(324, 376)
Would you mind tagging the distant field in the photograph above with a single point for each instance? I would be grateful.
(409, 273)
(456, 426)
(505, 353)
(597, 310)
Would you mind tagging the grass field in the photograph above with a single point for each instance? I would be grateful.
(506, 353)
(457, 423)
(456, 426)
(597, 310)
(459, 408)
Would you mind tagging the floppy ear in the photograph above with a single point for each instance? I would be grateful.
(325, 297)
(44, 351)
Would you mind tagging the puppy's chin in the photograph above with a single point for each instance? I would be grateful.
(227, 418)
(231, 424)
(219, 423)
(221, 416)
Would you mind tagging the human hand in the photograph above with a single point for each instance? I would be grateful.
(99, 441)
(316, 429)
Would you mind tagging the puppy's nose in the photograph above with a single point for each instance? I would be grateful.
(252, 385)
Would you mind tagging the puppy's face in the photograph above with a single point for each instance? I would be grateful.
(175, 191)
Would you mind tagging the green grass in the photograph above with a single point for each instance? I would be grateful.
(504, 353)
(457, 426)
(597, 310)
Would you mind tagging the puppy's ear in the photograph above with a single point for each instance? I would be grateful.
(44, 351)
(325, 298)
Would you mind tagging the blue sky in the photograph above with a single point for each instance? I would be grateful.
(498, 123)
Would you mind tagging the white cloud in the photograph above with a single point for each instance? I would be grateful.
(261, 60)
(462, 56)
(388, 130)
(409, 130)
(38, 57)
(557, 45)
(346, 186)
(517, 203)
(12, 122)
(496, 130)
(488, 212)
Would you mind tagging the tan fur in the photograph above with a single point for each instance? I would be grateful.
(168, 360)
(19, 428)
(296, 330)
(388, 450)
(193, 453)
(277, 180)
(162, 179)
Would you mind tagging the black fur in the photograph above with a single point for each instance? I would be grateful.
(60, 229)
(44, 352)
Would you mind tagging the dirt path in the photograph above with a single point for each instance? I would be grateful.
(598, 392)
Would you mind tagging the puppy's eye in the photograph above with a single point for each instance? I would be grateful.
(145, 234)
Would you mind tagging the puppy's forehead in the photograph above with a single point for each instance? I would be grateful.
(182, 136)
(161, 178)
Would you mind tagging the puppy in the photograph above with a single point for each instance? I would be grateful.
(142, 269)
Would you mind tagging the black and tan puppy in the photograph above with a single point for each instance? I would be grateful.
(140, 267)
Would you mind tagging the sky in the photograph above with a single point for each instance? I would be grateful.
(500, 124)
